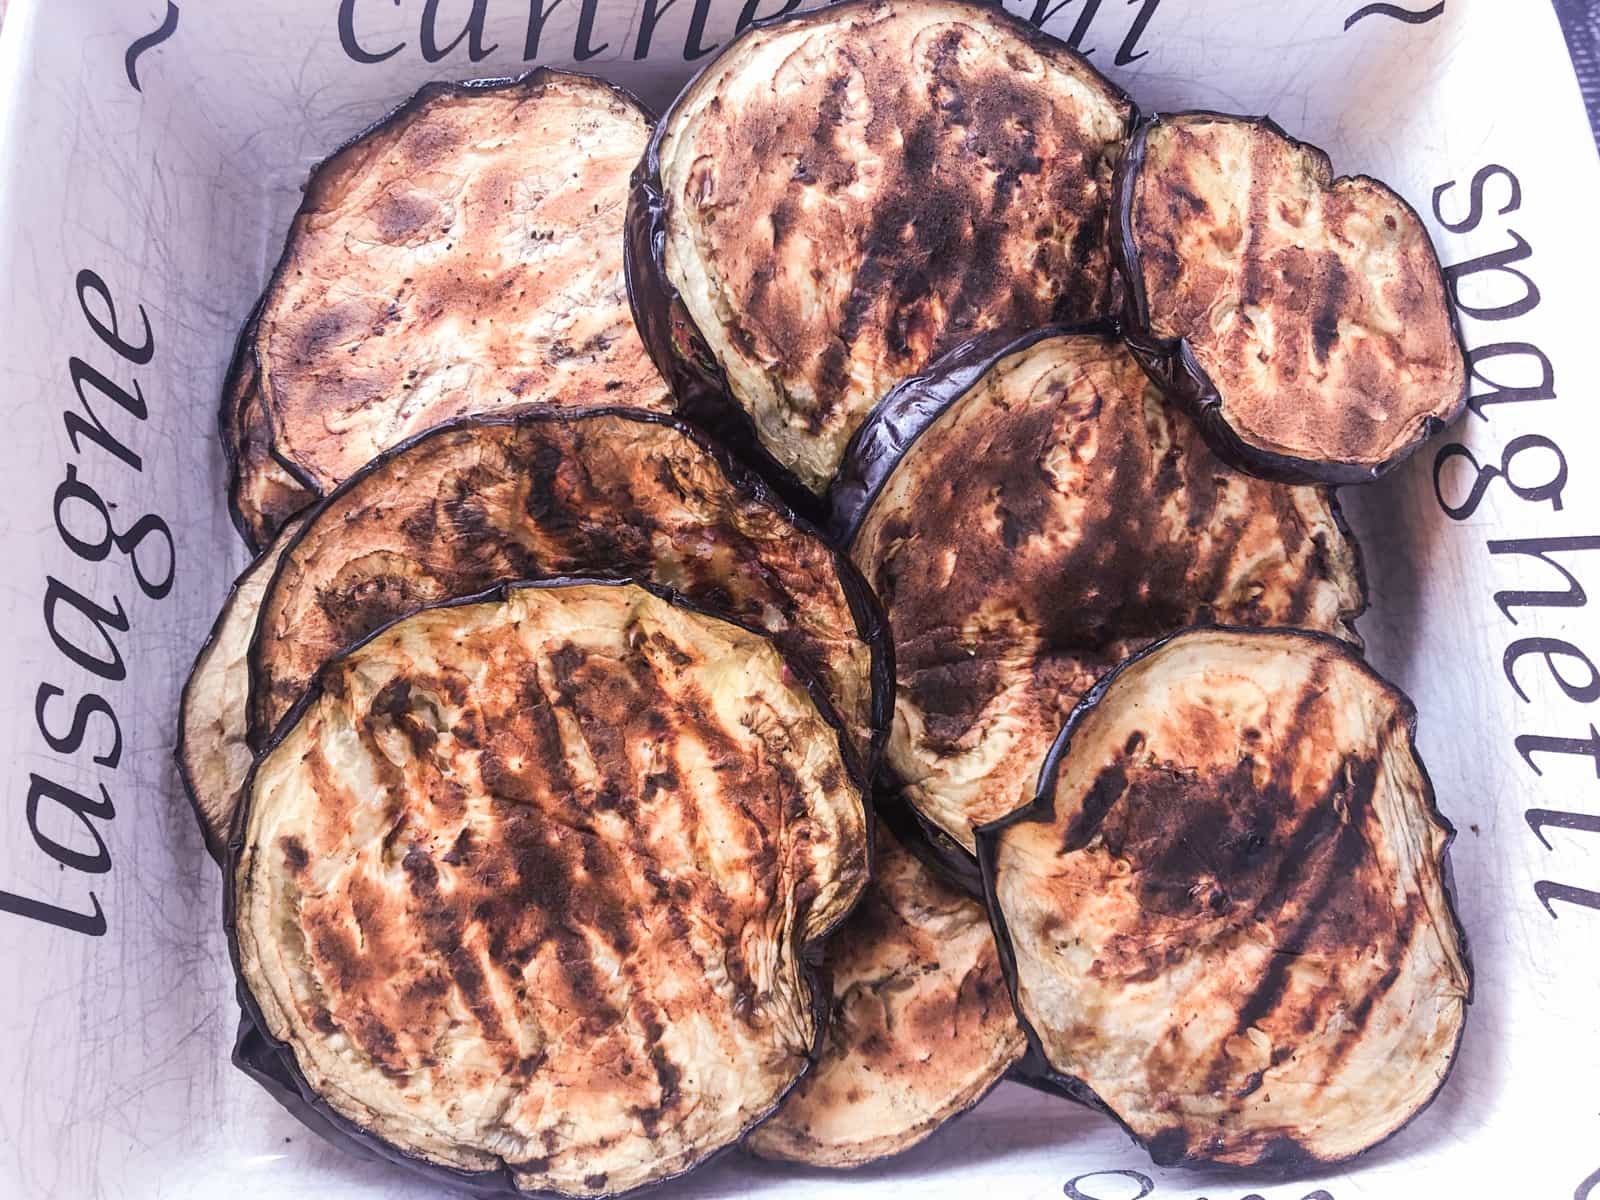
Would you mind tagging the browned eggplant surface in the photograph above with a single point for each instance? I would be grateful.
(1226, 915)
(555, 492)
(847, 193)
(463, 255)
(1052, 517)
(902, 411)
(921, 1025)
(532, 885)
(1304, 318)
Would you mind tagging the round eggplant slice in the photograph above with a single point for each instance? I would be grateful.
(547, 491)
(843, 195)
(921, 1027)
(531, 886)
(213, 750)
(464, 254)
(262, 494)
(1303, 319)
(1226, 914)
(1031, 512)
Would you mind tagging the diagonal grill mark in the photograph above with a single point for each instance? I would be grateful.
(1108, 787)
(1255, 225)
(1147, 607)
(933, 210)
(675, 709)
(1358, 1017)
(422, 878)
(1325, 327)
(1357, 783)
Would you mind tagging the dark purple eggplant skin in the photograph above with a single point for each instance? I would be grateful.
(255, 1054)
(271, 1062)
(228, 432)
(227, 417)
(911, 406)
(676, 345)
(1171, 362)
(872, 625)
(422, 96)
(1287, 1157)
(923, 840)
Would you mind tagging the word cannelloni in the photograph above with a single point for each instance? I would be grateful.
(438, 38)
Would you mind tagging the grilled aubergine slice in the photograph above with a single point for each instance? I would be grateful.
(262, 494)
(553, 491)
(462, 255)
(213, 747)
(1029, 513)
(921, 1028)
(531, 887)
(1303, 319)
(842, 195)
(1225, 916)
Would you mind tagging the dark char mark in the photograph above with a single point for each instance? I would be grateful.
(1106, 790)
(1325, 326)
(1340, 869)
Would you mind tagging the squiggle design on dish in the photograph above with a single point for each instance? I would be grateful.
(130, 61)
(1397, 13)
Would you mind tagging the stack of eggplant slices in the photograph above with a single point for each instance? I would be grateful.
(771, 620)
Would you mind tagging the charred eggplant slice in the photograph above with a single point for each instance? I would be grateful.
(843, 195)
(530, 887)
(1303, 319)
(1225, 916)
(921, 1027)
(213, 749)
(262, 494)
(1031, 512)
(464, 254)
(547, 491)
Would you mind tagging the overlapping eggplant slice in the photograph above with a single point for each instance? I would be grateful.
(213, 750)
(464, 254)
(1031, 512)
(530, 887)
(1225, 917)
(552, 491)
(262, 494)
(921, 1024)
(842, 195)
(1303, 319)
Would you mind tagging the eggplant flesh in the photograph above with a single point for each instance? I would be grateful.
(1032, 514)
(1226, 914)
(262, 494)
(1304, 318)
(921, 1024)
(213, 718)
(464, 254)
(530, 885)
(610, 493)
(847, 193)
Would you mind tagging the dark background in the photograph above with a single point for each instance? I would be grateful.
(1581, 21)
